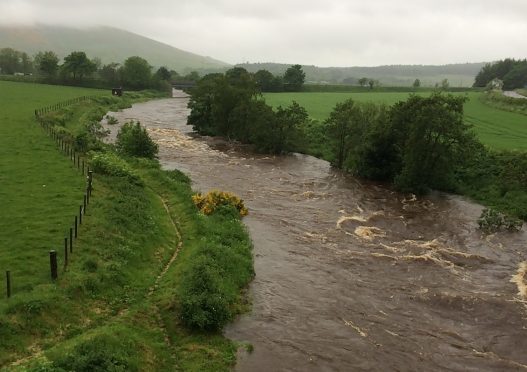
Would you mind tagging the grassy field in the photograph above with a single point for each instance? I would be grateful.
(118, 304)
(40, 189)
(496, 128)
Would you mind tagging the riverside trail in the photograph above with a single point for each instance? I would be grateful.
(351, 275)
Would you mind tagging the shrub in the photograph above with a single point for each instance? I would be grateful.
(111, 120)
(112, 165)
(214, 199)
(134, 140)
(203, 304)
(493, 221)
(101, 353)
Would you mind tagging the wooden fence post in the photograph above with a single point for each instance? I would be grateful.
(80, 214)
(71, 239)
(90, 179)
(8, 282)
(53, 264)
(65, 252)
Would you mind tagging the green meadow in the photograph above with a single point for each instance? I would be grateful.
(501, 130)
(40, 189)
(119, 303)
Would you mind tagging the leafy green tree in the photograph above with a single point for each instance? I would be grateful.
(78, 65)
(110, 73)
(133, 140)
(363, 81)
(516, 77)
(433, 138)
(192, 76)
(10, 61)
(445, 84)
(285, 130)
(162, 73)
(373, 83)
(26, 63)
(340, 129)
(47, 63)
(294, 78)
(267, 82)
(417, 83)
(136, 73)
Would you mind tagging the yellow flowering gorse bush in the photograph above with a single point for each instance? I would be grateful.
(209, 202)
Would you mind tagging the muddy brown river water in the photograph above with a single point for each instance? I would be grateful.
(351, 276)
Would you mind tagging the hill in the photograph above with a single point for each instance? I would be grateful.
(107, 43)
(461, 75)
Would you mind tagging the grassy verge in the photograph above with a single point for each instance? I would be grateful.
(499, 101)
(118, 304)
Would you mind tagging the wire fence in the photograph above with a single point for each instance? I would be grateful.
(79, 160)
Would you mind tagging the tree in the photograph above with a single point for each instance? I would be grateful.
(136, 73)
(433, 139)
(26, 63)
(339, 126)
(133, 140)
(9, 61)
(47, 63)
(294, 78)
(264, 80)
(445, 84)
(373, 83)
(162, 73)
(192, 76)
(516, 77)
(110, 73)
(285, 129)
(78, 65)
(363, 81)
(417, 83)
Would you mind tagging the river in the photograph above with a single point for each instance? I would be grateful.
(350, 275)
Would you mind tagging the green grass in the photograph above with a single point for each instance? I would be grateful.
(496, 128)
(40, 189)
(99, 312)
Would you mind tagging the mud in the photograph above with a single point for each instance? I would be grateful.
(350, 275)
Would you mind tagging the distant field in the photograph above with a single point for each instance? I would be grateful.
(496, 128)
(39, 188)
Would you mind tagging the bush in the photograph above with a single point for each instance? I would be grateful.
(214, 199)
(203, 304)
(101, 353)
(493, 221)
(134, 140)
(112, 165)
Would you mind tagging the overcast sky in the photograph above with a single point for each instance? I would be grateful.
(321, 32)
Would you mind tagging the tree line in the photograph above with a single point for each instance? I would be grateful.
(415, 144)
(418, 144)
(511, 72)
(231, 105)
(78, 69)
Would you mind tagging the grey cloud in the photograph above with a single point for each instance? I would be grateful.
(330, 32)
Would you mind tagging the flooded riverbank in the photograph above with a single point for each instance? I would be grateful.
(351, 275)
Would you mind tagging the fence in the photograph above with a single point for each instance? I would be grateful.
(79, 161)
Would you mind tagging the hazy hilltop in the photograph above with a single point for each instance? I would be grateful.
(107, 43)
(395, 75)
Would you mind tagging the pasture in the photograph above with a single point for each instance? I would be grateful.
(40, 189)
(496, 128)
